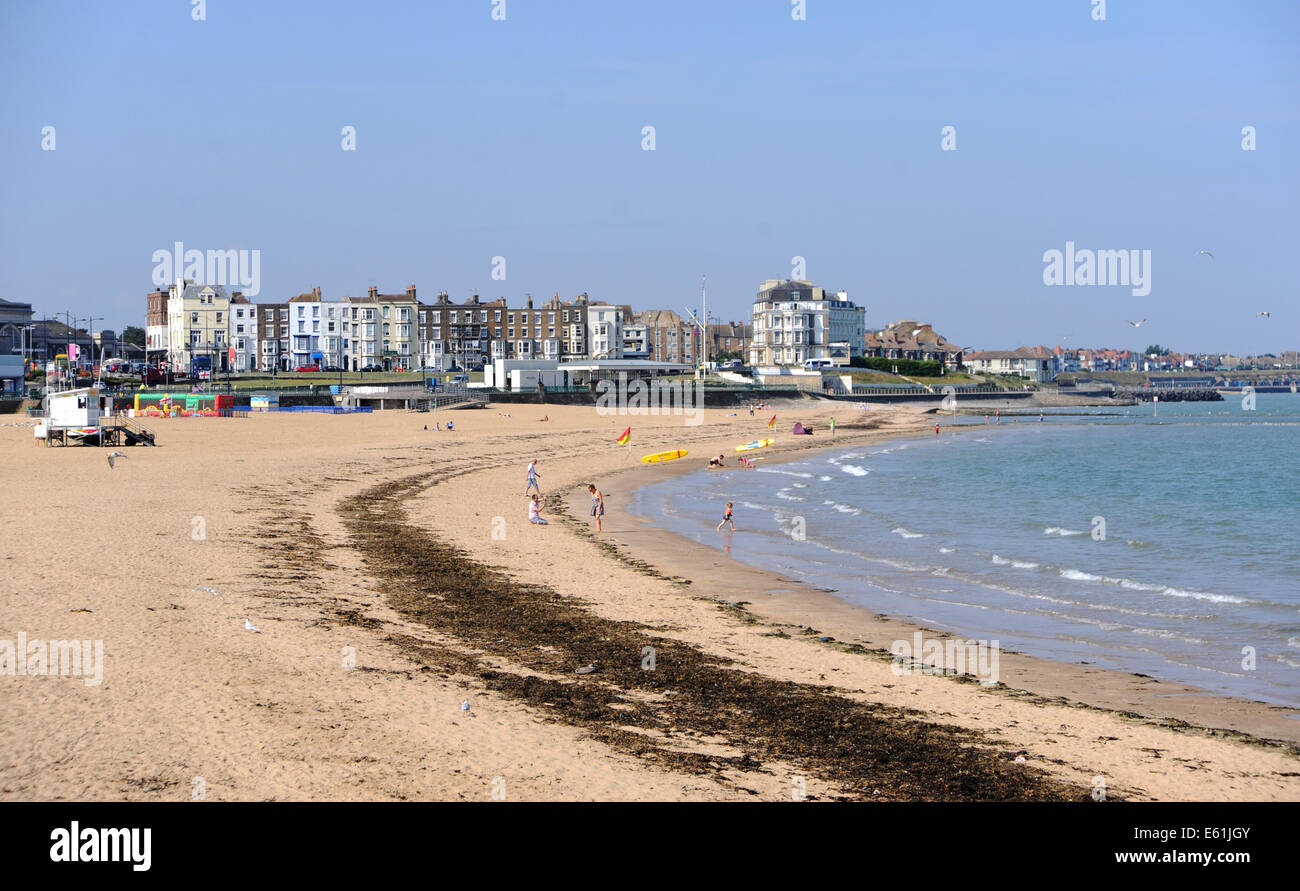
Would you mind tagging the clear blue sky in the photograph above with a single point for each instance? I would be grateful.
(775, 138)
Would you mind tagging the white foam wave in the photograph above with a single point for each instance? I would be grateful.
(1057, 530)
(905, 533)
(1167, 590)
(854, 469)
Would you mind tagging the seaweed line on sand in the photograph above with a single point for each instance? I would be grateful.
(867, 751)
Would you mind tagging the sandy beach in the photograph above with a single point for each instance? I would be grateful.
(394, 577)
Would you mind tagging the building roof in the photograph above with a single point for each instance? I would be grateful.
(780, 289)
(1018, 353)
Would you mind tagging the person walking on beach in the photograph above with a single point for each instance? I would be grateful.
(535, 511)
(597, 504)
(726, 518)
(936, 429)
(532, 477)
(832, 426)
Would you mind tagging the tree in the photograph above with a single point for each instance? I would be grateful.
(1156, 350)
(133, 335)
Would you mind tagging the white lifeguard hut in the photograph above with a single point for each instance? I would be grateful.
(73, 416)
(74, 408)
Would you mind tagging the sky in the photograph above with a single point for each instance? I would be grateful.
(775, 138)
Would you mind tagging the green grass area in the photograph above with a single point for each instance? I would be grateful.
(954, 379)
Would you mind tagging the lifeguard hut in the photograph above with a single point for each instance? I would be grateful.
(76, 416)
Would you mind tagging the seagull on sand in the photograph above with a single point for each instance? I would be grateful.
(1266, 314)
(1138, 324)
(112, 456)
(1207, 253)
(249, 626)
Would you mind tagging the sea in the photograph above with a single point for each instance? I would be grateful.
(1161, 539)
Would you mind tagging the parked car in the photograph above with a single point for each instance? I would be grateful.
(372, 368)
(332, 368)
(308, 368)
(460, 379)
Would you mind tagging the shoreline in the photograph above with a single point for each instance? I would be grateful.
(784, 601)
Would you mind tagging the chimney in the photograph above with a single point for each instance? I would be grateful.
(373, 291)
(410, 291)
(530, 301)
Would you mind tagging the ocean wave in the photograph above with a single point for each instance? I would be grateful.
(1018, 564)
(947, 550)
(1171, 635)
(1057, 530)
(824, 479)
(1167, 590)
(854, 469)
(805, 476)
(905, 533)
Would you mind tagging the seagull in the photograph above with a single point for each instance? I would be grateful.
(1138, 324)
(112, 455)
(1207, 253)
(249, 626)
(1266, 314)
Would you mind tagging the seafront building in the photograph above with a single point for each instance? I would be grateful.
(909, 339)
(1022, 362)
(669, 337)
(796, 321)
(273, 336)
(198, 324)
(730, 340)
(243, 333)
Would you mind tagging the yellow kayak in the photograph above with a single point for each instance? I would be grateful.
(756, 444)
(657, 457)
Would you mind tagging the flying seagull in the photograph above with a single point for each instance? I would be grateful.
(1138, 324)
(113, 455)
(1266, 314)
(249, 626)
(1207, 253)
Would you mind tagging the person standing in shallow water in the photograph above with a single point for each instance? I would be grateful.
(726, 518)
(597, 504)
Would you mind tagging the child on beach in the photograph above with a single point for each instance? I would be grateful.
(535, 510)
(726, 518)
(532, 477)
(597, 504)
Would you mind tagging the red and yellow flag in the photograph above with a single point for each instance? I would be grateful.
(625, 437)
(771, 421)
